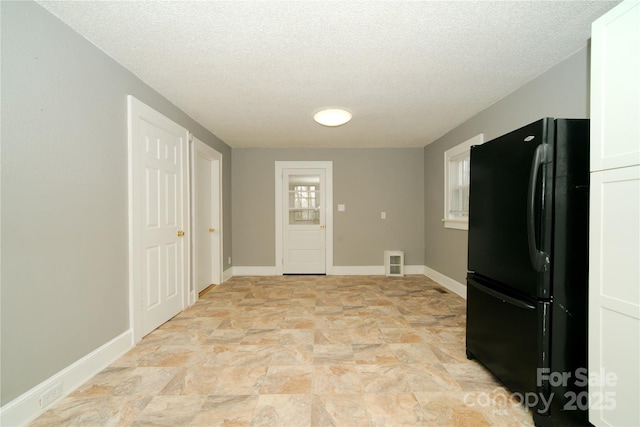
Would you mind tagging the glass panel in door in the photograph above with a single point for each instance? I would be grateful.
(304, 199)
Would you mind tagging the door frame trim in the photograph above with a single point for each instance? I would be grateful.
(198, 146)
(137, 110)
(328, 167)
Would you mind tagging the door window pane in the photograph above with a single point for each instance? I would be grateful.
(304, 199)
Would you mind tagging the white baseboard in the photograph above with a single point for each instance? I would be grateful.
(338, 270)
(453, 285)
(227, 274)
(414, 269)
(372, 270)
(254, 271)
(365, 270)
(26, 407)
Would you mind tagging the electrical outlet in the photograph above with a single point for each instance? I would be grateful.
(50, 395)
(229, 260)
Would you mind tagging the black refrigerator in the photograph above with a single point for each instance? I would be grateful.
(528, 266)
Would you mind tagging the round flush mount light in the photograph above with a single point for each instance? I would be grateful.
(332, 117)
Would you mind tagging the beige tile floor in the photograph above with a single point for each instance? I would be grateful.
(301, 351)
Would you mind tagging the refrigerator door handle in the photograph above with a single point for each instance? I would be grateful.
(499, 295)
(539, 259)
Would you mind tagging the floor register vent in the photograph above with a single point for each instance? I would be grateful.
(394, 263)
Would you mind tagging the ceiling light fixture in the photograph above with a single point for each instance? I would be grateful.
(332, 117)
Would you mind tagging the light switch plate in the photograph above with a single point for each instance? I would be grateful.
(341, 208)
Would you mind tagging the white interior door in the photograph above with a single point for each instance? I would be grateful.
(159, 252)
(208, 217)
(304, 221)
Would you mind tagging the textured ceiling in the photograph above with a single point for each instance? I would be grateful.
(255, 72)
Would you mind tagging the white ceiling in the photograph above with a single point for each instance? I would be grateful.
(255, 72)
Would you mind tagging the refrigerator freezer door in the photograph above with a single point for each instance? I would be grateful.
(508, 336)
(500, 208)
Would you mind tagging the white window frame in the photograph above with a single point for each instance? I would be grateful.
(451, 156)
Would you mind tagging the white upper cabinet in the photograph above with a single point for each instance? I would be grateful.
(615, 88)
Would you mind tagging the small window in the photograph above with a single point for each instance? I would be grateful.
(457, 168)
(305, 204)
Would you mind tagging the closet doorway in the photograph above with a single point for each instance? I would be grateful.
(207, 216)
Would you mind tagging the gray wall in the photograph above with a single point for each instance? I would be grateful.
(367, 181)
(562, 91)
(64, 195)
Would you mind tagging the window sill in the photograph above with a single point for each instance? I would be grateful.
(456, 224)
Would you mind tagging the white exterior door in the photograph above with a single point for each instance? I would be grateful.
(304, 217)
(208, 213)
(304, 222)
(159, 264)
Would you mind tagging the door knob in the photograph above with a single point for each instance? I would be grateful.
(180, 233)
(211, 230)
(322, 227)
